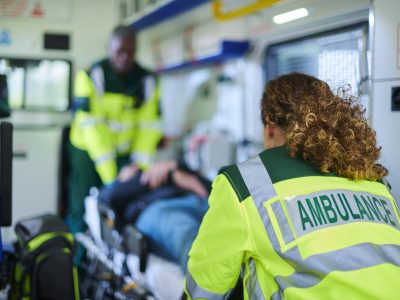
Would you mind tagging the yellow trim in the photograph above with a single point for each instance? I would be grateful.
(220, 15)
(376, 282)
(304, 185)
(76, 283)
(39, 240)
(346, 235)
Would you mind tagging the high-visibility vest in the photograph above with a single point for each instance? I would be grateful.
(113, 124)
(294, 233)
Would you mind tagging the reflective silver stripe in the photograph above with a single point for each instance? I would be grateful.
(196, 292)
(156, 125)
(116, 126)
(97, 76)
(90, 122)
(123, 148)
(309, 271)
(312, 270)
(150, 86)
(252, 285)
(142, 158)
(104, 158)
(287, 233)
(278, 295)
(261, 189)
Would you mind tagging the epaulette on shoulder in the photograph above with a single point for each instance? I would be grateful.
(98, 64)
(232, 173)
(386, 183)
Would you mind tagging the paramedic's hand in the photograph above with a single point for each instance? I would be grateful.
(157, 174)
(189, 182)
(127, 172)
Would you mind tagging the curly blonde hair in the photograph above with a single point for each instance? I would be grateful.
(327, 130)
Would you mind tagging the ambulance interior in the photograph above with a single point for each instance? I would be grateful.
(213, 58)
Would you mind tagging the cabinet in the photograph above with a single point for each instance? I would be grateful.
(225, 50)
(143, 16)
(193, 43)
(35, 174)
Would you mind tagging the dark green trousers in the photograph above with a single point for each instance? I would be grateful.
(82, 176)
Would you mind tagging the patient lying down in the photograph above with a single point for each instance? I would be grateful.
(166, 204)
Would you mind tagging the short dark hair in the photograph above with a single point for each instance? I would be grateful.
(124, 31)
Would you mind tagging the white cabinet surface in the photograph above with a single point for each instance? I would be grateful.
(35, 174)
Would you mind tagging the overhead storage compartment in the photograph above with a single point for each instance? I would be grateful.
(227, 50)
(161, 11)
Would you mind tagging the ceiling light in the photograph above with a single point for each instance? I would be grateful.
(290, 16)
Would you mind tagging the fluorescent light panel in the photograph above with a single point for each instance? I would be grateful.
(290, 16)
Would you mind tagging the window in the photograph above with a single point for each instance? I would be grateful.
(338, 57)
(37, 84)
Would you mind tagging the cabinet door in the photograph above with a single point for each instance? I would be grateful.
(35, 174)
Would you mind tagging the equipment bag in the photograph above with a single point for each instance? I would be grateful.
(44, 267)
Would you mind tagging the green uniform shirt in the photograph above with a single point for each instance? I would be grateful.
(116, 116)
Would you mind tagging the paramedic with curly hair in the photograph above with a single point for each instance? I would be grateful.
(307, 218)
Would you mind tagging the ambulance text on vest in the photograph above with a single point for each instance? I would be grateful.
(330, 208)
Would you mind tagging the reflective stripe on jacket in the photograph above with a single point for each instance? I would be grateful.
(113, 124)
(293, 233)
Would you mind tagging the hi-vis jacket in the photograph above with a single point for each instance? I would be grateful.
(294, 233)
(116, 117)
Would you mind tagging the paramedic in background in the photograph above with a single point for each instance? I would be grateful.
(309, 217)
(115, 129)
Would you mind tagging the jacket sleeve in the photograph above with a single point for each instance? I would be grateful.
(149, 130)
(219, 249)
(89, 130)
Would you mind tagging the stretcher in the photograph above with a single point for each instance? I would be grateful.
(118, 264)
